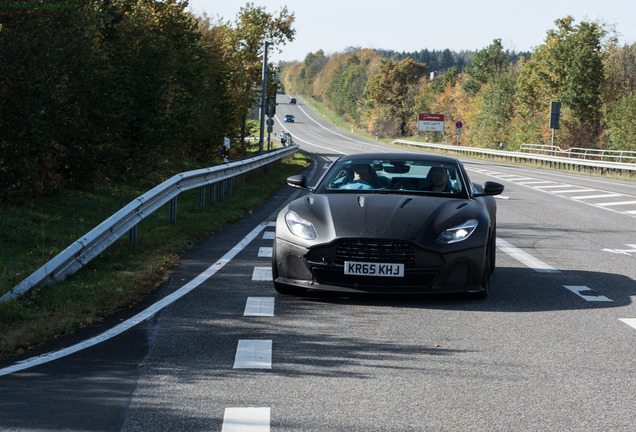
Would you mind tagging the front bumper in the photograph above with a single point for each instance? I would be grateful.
(427, 272)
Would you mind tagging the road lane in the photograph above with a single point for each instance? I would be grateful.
(535, 355)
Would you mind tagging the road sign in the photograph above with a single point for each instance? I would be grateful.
(458, 125)
(431, 122)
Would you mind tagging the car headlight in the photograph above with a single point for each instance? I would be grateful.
(299, 226)
(458, 233)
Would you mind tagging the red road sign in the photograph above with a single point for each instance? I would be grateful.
(431, 117)
(458, 125)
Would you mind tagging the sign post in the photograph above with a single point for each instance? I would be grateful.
(458, 125)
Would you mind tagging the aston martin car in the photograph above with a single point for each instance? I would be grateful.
(388, 223)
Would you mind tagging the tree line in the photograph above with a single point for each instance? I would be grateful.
(499, 96)
(94, 91)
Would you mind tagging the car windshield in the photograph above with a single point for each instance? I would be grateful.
(411, 176)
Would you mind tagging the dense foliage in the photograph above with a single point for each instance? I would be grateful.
(100, 90)
(498, 95)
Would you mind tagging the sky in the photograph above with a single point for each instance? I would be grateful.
(414, 25)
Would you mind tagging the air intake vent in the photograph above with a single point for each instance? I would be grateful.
(386, 251)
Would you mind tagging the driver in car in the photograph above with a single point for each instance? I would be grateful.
(363, 178)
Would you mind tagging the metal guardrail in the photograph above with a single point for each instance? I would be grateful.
(125, 220)
(620, 168)
(602, 155)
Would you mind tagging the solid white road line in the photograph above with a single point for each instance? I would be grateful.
(262, 274)
(259, 306)
(246, 420)
(629, 321)
(587, 293)
(253, 354)
(524, 257)
(142, 316)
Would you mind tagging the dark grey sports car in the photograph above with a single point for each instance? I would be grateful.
(393, 223)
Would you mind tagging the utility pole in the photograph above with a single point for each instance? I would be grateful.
(263, 99)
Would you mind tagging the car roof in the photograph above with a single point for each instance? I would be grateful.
(401, 156)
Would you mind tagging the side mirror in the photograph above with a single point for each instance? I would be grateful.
(299, 182)
(491, 188)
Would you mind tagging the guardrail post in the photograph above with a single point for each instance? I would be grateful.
(173, 210)
(229, 187)
(132, 236)
(222, 190)
(201, 197)
(212, 193)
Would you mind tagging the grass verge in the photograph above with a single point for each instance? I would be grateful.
(35, 232)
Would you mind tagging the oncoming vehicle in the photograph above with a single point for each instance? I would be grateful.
(292, 100)
(389, 223)
(289, 118)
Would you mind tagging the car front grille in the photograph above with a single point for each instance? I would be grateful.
(386, 251)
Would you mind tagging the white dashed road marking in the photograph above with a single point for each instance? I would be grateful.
(259, 306)
(265, 252)
(262, 274)
(629, 321)
(246, 420)
(623, 251)
(269, 235)
(587, 293)
(253, 354)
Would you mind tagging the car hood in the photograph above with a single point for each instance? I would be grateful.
(395, 216)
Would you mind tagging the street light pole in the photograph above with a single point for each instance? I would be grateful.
(263, 99)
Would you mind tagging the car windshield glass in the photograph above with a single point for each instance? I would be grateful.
(412, 176)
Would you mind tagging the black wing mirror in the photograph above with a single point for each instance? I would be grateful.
(491, 188)
(299, 182)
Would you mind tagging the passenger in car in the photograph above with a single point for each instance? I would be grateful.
(437, 180)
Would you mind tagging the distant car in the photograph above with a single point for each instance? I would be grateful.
(289, 118)
(292, 100)
(388, 223)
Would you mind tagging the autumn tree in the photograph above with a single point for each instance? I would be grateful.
(392, 90)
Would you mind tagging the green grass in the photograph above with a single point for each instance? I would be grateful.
(35, 232)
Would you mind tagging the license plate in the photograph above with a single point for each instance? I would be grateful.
(373, 269)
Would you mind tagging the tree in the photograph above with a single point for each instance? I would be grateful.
(568, 68)
(253, 26)
(621, 129)
(391, 89)
(492, 111)
(487, 64)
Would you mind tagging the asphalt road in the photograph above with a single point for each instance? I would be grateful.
(553, 347)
